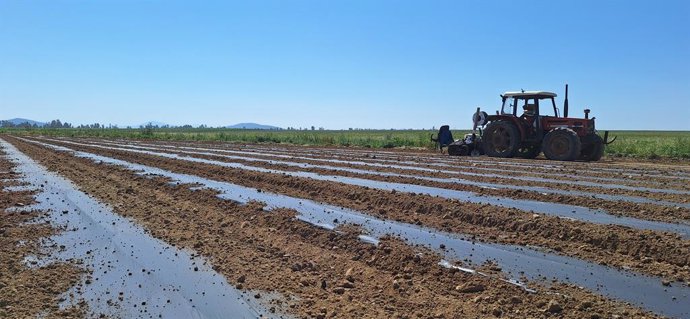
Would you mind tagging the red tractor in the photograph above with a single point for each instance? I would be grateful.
(530, 132)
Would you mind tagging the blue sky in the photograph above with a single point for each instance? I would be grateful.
(341, 64)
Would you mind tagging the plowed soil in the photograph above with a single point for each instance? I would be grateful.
(649, 211)
(661, 254)
(323, 273)
(27, 290)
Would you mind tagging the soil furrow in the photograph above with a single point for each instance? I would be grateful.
(669, 212)
(479, 166)
(329, 274)
(611, 167)
(650, 252)
(678, 196)
(457, 165)
(472, 169)
(26, 289)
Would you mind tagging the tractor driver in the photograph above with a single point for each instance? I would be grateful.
(529, 109)
(530, 112)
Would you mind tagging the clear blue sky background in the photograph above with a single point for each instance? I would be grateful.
(341, 64)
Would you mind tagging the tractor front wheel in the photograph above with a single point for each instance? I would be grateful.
(561, 144)
(501, 139)
(592, 148)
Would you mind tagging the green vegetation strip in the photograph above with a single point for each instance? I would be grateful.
(641, 144)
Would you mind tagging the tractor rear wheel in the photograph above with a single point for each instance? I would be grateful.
(501, 139)
(561, 144)
(592, 148)
(529, 151)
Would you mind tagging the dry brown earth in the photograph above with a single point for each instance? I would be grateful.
(649, 211)
(28, 291)
(660, 254)
(325, 273)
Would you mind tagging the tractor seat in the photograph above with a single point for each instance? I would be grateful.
(445, 137)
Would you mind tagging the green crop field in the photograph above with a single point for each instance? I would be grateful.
(358, 138)
(641, 144)
(651, 144)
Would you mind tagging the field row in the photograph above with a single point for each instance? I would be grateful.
(415, 233)
(468, 206)
(645, 196)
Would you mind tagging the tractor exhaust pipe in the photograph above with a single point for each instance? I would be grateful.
(565, 103)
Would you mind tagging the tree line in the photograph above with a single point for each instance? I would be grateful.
(51, 124)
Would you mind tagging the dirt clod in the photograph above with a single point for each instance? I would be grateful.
(554, 307)
(470, 288)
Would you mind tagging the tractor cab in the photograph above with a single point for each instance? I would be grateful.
(533, 108)
(528, 103)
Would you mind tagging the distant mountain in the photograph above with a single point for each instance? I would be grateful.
(254, 126)
(19, 121)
